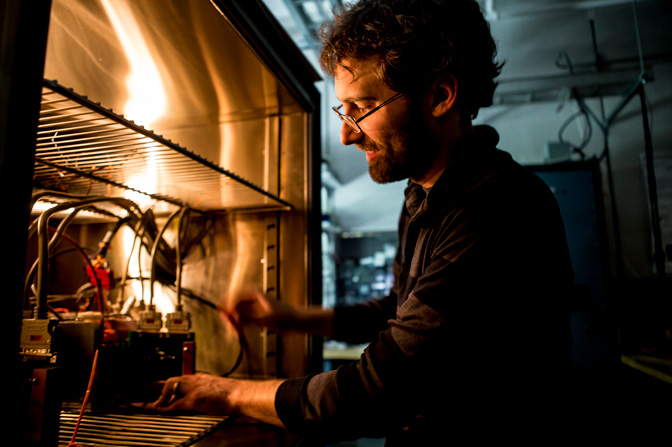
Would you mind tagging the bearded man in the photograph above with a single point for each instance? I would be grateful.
(474, 338)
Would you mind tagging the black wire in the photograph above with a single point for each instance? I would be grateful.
(242, 340)
(587, 136)
(243, 346)
(565, 56)
(53, 311)
(105, 243)
(208, 224)
(181, 252)
(582, 111)
(658, 252)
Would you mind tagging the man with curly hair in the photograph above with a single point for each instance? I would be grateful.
(474, 338)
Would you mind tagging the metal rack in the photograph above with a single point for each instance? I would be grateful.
(134, 429)
(84, 148)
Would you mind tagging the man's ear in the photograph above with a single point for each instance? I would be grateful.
(444, 93)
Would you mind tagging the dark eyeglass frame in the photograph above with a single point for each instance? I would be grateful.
(354, 123)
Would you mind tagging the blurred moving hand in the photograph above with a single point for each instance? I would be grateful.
(249, 305)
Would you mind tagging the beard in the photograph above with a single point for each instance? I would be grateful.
(407, 151)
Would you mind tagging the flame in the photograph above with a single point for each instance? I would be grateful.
(146, 97)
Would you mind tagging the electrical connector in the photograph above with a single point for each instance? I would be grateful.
(178, 322)
(150, 320)
(36, 339)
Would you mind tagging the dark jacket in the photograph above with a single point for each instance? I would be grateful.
(475, 336)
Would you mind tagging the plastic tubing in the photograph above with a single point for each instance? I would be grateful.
(155, 249)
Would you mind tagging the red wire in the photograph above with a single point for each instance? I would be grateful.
(88, 261)
(86, 398)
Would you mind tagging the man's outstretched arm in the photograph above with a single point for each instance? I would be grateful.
(219, 395)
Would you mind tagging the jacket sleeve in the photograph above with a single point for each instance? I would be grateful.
(374, 395)
(380, 392)
(361, 323)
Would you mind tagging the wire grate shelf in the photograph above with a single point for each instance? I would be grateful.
(131, 429)
(84, 148)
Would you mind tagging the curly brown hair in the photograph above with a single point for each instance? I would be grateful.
(417, 42)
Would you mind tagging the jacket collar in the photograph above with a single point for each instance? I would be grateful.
(460, 174)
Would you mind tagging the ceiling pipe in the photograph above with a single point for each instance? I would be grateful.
(494, 12)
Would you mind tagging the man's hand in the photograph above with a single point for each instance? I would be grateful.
(249, 305)
(201, 392)
(210, 394)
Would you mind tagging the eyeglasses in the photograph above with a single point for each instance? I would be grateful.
(354, 123)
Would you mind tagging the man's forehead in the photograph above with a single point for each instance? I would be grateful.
(353, 70)
(357, 78)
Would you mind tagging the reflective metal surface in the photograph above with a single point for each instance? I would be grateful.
(182, 71)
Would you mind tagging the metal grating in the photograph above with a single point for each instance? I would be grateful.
(84, 148)
(136, 429)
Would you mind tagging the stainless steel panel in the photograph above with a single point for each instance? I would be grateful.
(179, 69)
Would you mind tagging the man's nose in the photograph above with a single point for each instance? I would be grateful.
(348, 135)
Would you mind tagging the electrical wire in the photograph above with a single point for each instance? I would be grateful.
(105, 243)
(562, 56)
(658, 252)
(77, 248)
(43, 243)
(29, 285)
(586, 137)
(146, 233)
(140, 247)
(208, 224)
(55, 240)
(89, 388)
(55, 312)
(242, 340)
(568, 63)
(137, 231)
(87, 260)
(178, 258)
(59, 233)
(153, 256)
(181, 252)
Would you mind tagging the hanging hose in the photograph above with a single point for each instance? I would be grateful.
(178, 259)
(155, 249)
(43, 244)
(53, 243)
(138, 231)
